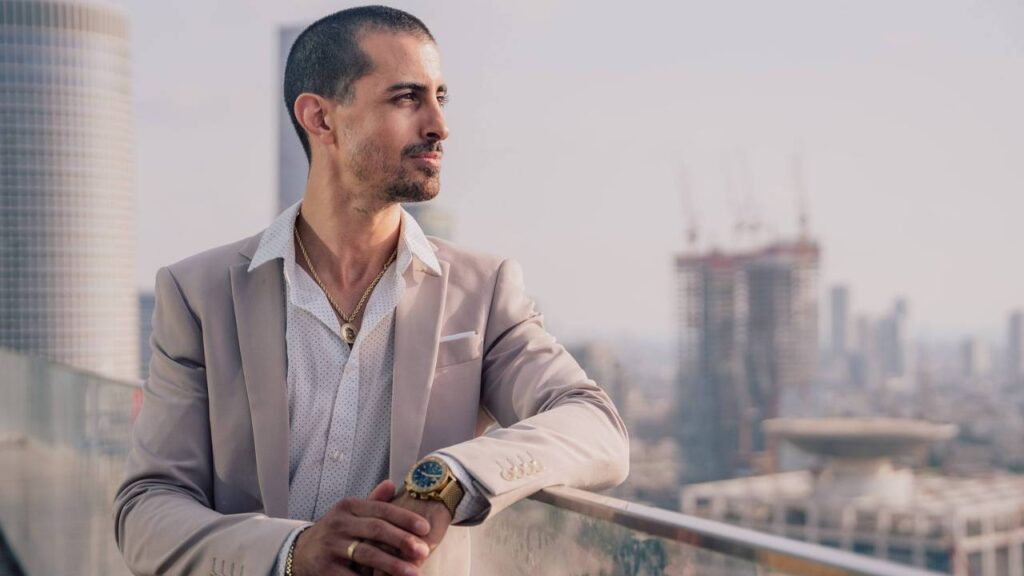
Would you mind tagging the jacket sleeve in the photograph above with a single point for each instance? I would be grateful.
(557, 426)
(163, 517)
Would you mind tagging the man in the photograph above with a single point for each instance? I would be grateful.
(320, 394)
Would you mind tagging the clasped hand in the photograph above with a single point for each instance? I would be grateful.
(396, 536)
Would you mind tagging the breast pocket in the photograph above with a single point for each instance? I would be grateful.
(458, 348)
(455, 392)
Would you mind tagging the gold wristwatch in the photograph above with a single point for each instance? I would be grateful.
(432, 479)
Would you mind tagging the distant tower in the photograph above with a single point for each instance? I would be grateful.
(895, 350)
(748, 342)
(292, 166)
(976, 362)
(147, 304)
(1015, 351)
(67, 206)
(839, 321)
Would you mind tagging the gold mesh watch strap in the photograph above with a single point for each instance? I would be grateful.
(451, 495)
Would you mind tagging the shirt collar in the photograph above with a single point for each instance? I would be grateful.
(278, 241)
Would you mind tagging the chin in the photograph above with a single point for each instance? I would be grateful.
(421, 191)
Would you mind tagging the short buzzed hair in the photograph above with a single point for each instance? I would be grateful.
(326, 59)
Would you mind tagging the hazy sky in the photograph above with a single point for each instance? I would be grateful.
(571, 123)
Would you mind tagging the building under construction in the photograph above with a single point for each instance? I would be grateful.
(748, 341)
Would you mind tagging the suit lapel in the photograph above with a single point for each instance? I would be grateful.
(417, 332)
(260, 317)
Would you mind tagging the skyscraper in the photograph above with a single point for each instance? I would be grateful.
(147, 304)
(976, 363)
(748, 336)
(292, 166)
(67, 207)
(894, 348)
(839, 321)
(1015, 351)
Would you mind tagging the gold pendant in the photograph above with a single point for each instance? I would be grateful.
(348, 333)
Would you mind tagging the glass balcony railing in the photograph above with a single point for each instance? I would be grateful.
(63, 440)
(64, 436)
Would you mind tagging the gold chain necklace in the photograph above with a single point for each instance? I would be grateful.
(348, 329)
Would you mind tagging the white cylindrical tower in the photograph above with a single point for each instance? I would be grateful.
(67, 206)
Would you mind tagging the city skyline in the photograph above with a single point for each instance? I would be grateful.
(907, 129)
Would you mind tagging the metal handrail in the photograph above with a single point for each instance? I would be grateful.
(785, 554)
(764, 550)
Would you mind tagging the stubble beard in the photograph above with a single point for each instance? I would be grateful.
(395, 183)
(403, 188)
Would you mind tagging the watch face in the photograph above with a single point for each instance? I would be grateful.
(427, 475)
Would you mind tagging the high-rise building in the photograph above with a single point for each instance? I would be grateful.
(839, 321)
(976, 361)
(864, 365)
(292, 166)
(1015, 351)
(748, 337)
(67, 207)
(894, 349)
(147, 304)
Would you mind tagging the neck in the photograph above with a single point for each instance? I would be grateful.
(348, 237)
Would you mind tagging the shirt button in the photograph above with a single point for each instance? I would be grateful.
(335, 455)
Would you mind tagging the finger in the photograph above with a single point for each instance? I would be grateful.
(383, 492)
(369, 555)
(401, 517)
(382, 532)
(417, 559)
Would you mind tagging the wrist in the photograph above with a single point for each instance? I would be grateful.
(289, 563)
(441, 509)
(432, 479)
(293, 565)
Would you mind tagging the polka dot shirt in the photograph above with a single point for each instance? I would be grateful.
(339, 399)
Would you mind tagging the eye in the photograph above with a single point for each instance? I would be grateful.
(443, 99)
(408, 96)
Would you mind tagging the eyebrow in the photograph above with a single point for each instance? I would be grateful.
(416, 86)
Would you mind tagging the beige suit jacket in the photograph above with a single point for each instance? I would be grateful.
(206, 490)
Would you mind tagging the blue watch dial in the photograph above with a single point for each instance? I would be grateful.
(427, 474)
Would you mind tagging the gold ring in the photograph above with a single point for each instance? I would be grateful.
(352, 550)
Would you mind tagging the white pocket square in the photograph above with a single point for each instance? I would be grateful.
(458, 336)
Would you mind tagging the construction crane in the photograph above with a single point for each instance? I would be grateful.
(691, 231)
(803, 217)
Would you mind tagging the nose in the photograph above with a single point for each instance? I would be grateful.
(434, 126)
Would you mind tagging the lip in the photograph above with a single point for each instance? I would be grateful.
(429, 157)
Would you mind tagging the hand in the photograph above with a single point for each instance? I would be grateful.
(437, 515)
(378, 524)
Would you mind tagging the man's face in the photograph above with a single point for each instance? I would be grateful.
(390, 134)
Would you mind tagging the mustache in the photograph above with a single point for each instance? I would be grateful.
(422, 148)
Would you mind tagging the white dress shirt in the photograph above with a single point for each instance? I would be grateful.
(339, 399)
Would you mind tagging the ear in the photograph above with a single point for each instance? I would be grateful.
(313, 113)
